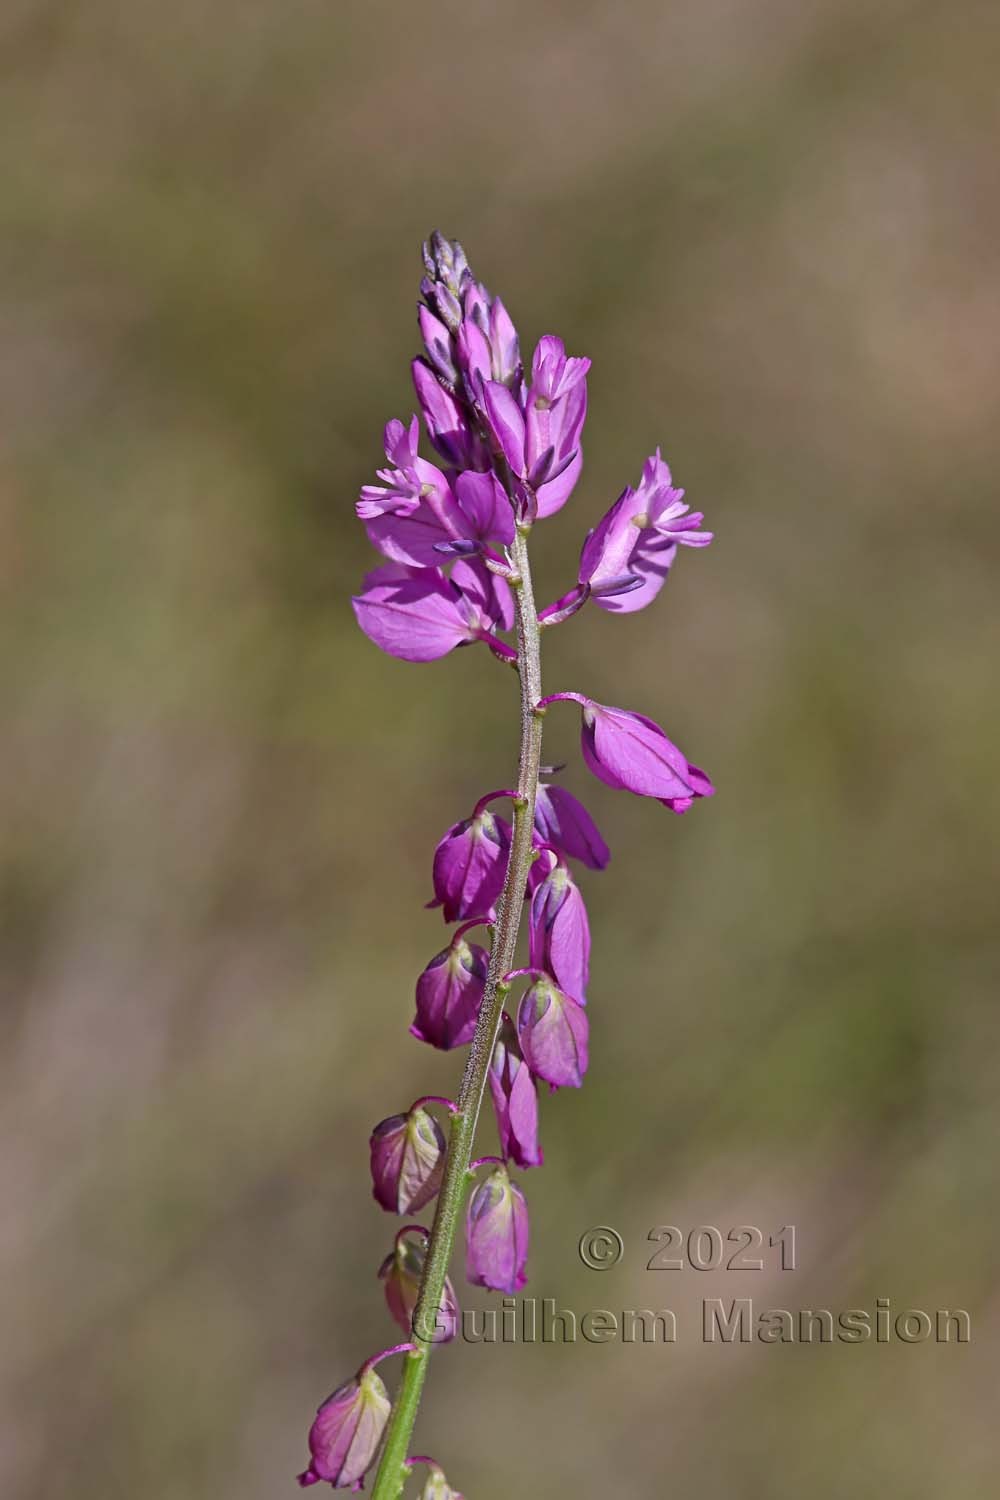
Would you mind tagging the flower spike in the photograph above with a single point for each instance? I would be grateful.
(452, 531)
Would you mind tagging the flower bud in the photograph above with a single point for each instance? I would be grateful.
(562, 820)
(559, 932)
(469, 866)
(552, 1031)
(504, 345)
(515, 1101)
(401, 1272)
(445, 260)
(344, 1438)
(449, 994)
(407, 1160)
(437, 342)
(436, 1486)
(474, 357)
(496, 1234)
(447, 425)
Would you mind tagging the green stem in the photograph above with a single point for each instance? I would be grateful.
(392, 1469)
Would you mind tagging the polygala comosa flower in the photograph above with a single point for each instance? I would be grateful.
(451, 527)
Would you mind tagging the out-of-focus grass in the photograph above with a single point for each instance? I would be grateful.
(773, 227)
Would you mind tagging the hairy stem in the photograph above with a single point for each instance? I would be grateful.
(392, 1470)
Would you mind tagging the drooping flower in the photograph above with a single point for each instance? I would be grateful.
(515, 1101)
(469, 866)
(559, 933)
(407, 1160)
(449, 993)
(628, 751)
(552, 1032)
(401, 1273)
(638, 538)
(345, 1435)
(436, 1486)
(563, 821)
(496, 1234)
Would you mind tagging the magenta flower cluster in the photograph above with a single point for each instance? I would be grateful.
(507, 440)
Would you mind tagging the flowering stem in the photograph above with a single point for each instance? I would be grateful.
(392, 1470)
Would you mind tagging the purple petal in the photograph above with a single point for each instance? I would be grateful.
(561, 819)
(515, 1101)
(608, 550)
(552, 1031)
(412, 614)
(486, 507)
(449, 994)
(507, 422)
(407, 1160)
(447, 427)
(470, 864)
(503, 341)
(345, 1435)
(553, 495)
(488, 593)
(559, 935)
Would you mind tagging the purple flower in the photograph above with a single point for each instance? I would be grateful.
(552, 1031)
(559, 932)
(407, 1160)
(344, 1438)
(515, 1101)
(401, 1273)
(540, 436)
(496, 1234)
(420, 615)
(413, 511)
(638, 538)
(469, 866)
(564, 822)
(449, 993)
(416, 515)
(630, 752)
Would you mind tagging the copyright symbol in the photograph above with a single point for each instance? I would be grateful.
(601, 1248)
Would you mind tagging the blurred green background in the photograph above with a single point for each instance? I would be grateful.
(774, 227)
